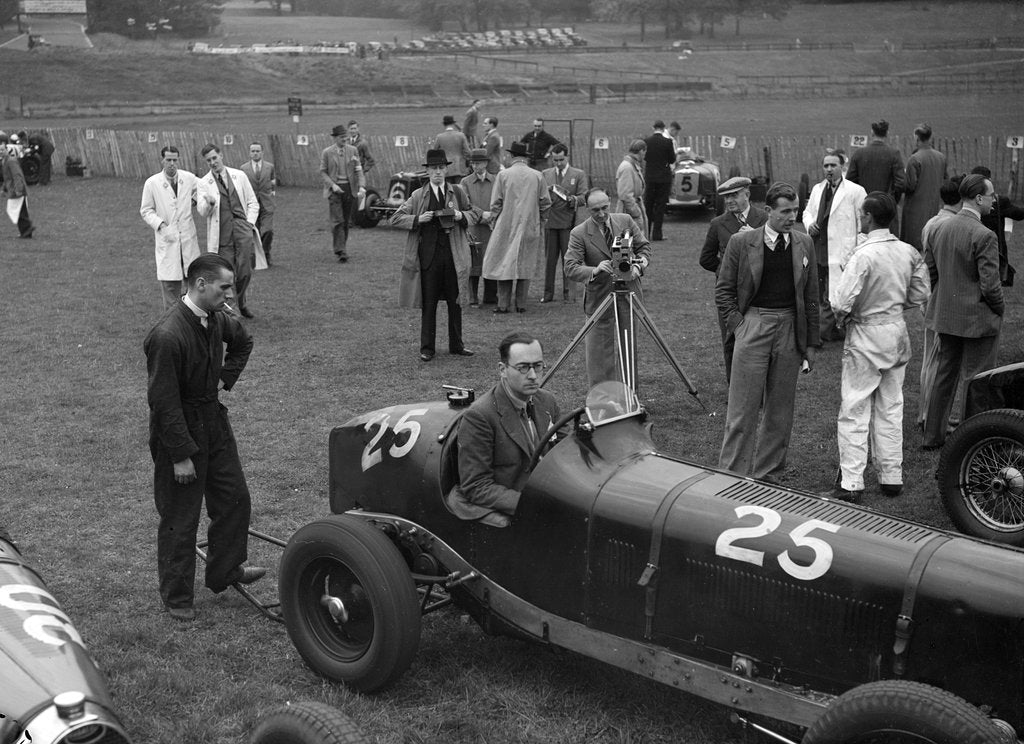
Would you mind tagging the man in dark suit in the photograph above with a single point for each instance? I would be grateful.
(263, 178)
(767, 296)
(966, 308)
(589, 260)
(499, 434)
(567, 187)
(661, 156)
(737, 217)
(878, 167)
(437, 256)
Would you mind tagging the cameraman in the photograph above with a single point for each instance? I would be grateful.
(593, 260)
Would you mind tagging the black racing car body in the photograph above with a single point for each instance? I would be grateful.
(764, 599)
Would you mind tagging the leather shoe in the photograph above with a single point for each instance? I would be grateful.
(426, 356)
(246, 313)
(462, 352)
(546, 299)
(251, 574)
(499, 311)
(930, 447)
(892, 490)
(182, 614)
(520, 309)
(28, 233)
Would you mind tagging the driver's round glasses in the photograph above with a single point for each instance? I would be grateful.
(525, 367)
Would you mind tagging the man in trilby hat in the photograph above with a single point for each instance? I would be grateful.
(437, 257)
(344, 182)
(519, 206)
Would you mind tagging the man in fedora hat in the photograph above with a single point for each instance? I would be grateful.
(437, 257)
(342, 174)
(738, 216)
(519, 205)
(456, 149)
(478, 185)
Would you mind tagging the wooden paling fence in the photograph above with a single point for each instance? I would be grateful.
(132, 154)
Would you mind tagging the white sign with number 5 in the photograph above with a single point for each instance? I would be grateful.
(769, 522)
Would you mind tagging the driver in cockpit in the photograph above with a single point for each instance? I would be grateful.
(499, 433)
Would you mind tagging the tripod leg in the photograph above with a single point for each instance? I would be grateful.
(587, 327)
(659, 340)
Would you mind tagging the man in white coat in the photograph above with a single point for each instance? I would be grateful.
(883, 277)
(226, 199)
(832, 219)
(519, 206)
(167, 208)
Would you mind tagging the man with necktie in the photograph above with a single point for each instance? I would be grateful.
(567, 187)
(437, 256)
(767, 295)
(832, 219)
(167, 208)
(738, 216)
(263, 179)
(499, 434)
(589, 260)
(227, 201)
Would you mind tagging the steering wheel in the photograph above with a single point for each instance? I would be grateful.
(573, 416)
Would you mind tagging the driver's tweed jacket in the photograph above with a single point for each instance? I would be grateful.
(494, 453)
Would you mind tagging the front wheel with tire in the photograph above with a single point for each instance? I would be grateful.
(369, 215)
(981, 476)
(349, 602)
(307, 723)
(901, 712)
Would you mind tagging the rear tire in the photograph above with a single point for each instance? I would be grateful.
(307, 723)
(981, 476)
(30, 166)
(349, 603)
(901, 712)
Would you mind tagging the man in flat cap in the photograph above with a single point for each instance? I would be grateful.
(519, 207)
(738, 216)
(456, 149)
(437, 257)
(342, 174)
(832, 219)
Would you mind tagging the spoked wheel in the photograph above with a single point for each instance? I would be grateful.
(900, 712)
(349, 603)
(981, 476)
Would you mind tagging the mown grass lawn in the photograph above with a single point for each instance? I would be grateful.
(330, 342)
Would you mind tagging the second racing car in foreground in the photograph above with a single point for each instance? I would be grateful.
(849, 624)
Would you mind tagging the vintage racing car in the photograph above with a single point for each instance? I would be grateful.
(981, 466)
(695, 183)
(376, 208)
(845, 623)
(50, 689)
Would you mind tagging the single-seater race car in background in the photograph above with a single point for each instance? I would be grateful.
(846, 624)
(375, 207)
(50, 689)
(694, 183)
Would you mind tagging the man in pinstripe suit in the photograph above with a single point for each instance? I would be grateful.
(966, 309)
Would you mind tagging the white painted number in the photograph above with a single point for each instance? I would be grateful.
(47, 616)
(822, 551)
(858, 140)
(372, 454)
(1015, 143)
(404, 425)
(770, 521)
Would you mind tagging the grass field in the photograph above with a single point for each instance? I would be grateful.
(330, 342)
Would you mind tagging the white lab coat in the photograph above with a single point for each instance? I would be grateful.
(177, 244)
(843, 226)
